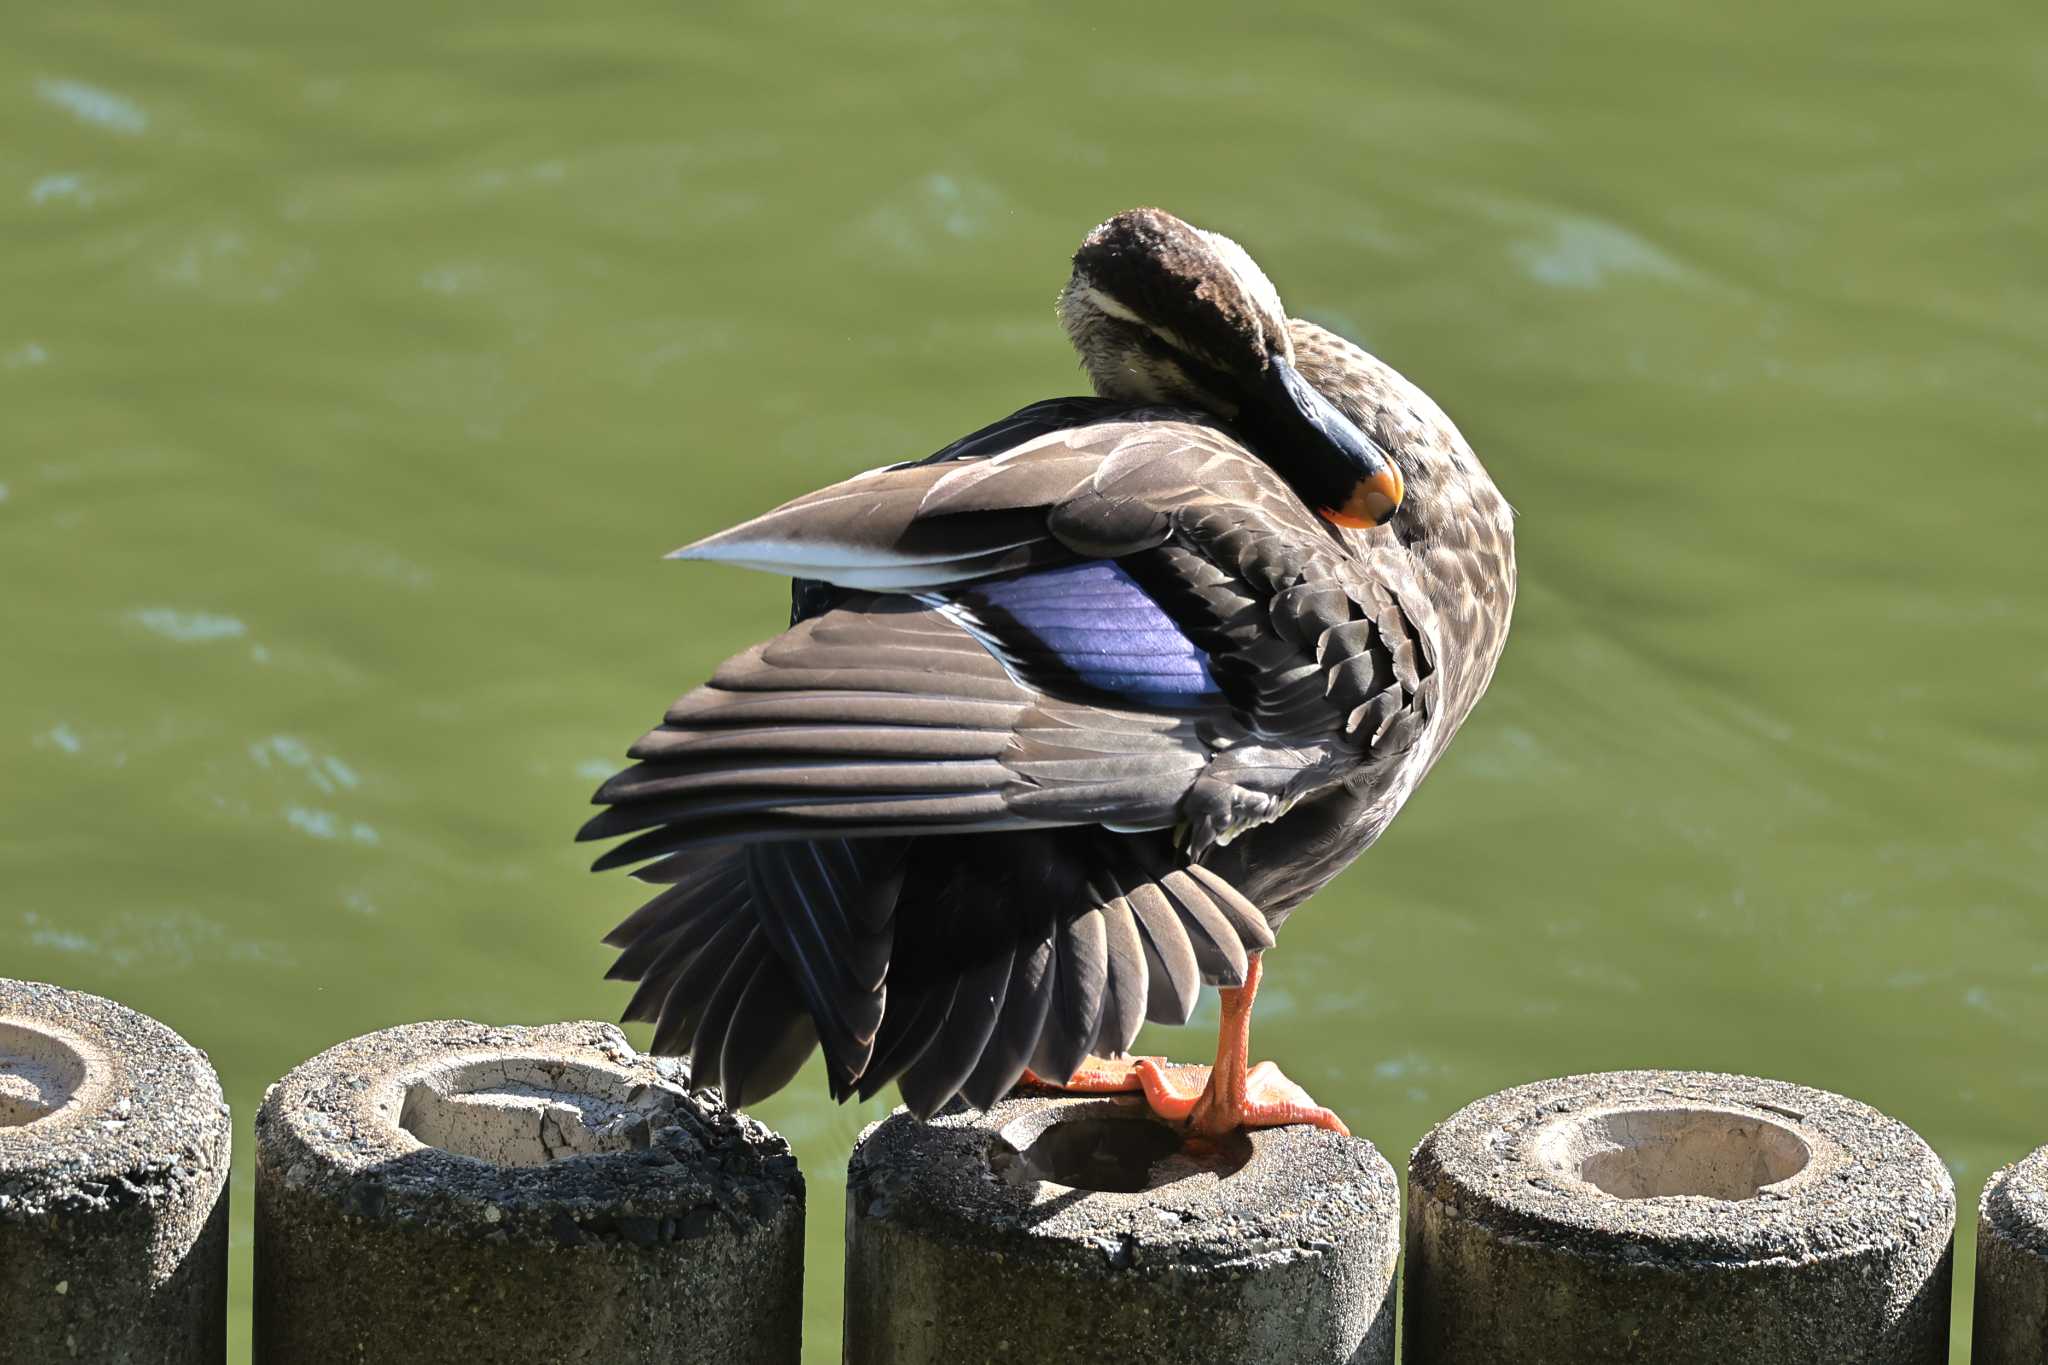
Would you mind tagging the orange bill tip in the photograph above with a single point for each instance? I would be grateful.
(1371, 503)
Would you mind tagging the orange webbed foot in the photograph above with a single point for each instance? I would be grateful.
(1212, 1101)
(1267, 1099)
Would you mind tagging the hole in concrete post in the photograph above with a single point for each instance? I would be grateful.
(1099, 1154)
(40, 1072)
(1124, 1154)
(525, 1111)
(1659, 1153)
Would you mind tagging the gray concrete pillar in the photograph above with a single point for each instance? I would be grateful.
(1081, 1230)
(455, 1192)
(2010, 1324)
(1676, 1217)
(113, 1185)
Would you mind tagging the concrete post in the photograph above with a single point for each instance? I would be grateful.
(113, 1185)
(2010, 1325)
(1081, 1230)
(1677, 1217)
(450, 1191)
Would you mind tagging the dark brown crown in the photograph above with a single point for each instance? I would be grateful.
(1166, 272)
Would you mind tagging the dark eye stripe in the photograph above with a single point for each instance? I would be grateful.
(1203, 376)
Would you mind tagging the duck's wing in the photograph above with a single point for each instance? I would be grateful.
(857, 533)
(885, 715)
(1041, 648)
(1033, 489)
(989, 670)
(1297, 621)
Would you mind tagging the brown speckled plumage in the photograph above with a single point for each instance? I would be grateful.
(946, 840)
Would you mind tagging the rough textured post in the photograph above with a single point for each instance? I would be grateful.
(451, 1191)
(1678, 1217)
(1080, 1230)
(2010, 1324)
(113, 1185)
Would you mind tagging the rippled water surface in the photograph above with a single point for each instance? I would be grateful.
(358, 364)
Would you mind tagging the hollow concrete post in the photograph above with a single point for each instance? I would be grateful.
(113, 1185)
(451, 1191)
(1082, 1230)
(1676, 1217)
(2010, 1323)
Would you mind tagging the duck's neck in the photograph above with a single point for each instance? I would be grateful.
(1451, 497)
(1454, 521)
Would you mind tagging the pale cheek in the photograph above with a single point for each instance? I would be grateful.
(1125, 375)
(1156, 383)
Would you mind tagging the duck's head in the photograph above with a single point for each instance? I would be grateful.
(1164, 312)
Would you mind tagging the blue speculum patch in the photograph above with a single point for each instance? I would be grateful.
(1091, 626)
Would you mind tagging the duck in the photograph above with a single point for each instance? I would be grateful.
(1070, 716)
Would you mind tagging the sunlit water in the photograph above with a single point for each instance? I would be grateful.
(357, 365)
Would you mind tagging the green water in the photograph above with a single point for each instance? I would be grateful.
(358, 363)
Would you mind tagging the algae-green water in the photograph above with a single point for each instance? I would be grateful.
(358, 364)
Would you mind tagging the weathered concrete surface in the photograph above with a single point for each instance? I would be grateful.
(2010, 1322)
(113, 1185)
(966, 1242)
(452, 1191)
(1676, 1217)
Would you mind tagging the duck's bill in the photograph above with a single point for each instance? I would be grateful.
(1338, 455)
(1371, 503)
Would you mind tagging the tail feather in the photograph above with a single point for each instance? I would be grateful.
(770, 1037)
(1019, 1022)
(1216, 944)
(1079, 981)
(1176, 973)
(957, 1041)
(909, 1027)
(1126, 989)
(669, 954)
(685, 915)
(1246, 920)
(689, 989)
(946, 965)
(714, 1023)
(829, 907)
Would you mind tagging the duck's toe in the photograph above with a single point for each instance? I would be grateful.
(1098, 1076)
(1265, 1099)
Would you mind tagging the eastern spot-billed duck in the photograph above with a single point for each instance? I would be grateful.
(1069, 716)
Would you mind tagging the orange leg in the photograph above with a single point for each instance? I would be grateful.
(1219, 1099)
